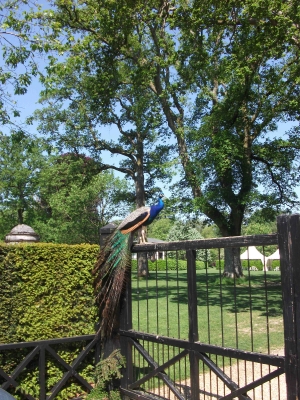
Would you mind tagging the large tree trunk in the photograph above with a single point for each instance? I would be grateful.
(20, 215)
(232, 259)
(232, 262)
(142, 261)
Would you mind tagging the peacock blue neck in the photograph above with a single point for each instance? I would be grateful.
(155, 210)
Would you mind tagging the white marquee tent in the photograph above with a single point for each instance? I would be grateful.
(274, 256)
(253, 254)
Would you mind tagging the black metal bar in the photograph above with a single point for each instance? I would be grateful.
(215, 243)
(277, 361)
(42, 373)
(193, 321)
(288, 227)
(254, 384)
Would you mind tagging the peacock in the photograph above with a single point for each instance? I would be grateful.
(114, 261)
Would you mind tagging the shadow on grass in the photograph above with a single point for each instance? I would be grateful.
(257, 292)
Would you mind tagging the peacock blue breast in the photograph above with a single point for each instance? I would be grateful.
(154, 211)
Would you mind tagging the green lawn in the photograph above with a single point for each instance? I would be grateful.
(245, 314)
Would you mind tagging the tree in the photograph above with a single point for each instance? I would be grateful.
(19, 49)
(160, 228)
(185, 231)
(21, 159)
(88, 90)
(64, 198)
(223, 76)
(75, 200)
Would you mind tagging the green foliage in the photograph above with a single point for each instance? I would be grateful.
(248, 264)
(18, 66)
(170, 264)
(184, 231)
(107, 371)
(21, 159)
(75, 197)
(46, 292)
(218, 77)
(64, 198)
(159, 229)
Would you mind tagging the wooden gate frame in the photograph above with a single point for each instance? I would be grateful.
(40, 348)
(288, 239)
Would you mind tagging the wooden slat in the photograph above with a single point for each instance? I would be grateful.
(20, 367)
(193, 321)
(216, 243)
(159, 368)
(20, 345)
(160, 374)
(221, 375)
(277, 361)
(254, 384)
(42, 373)
(71, 369)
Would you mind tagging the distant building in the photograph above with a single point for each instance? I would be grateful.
(158, 255)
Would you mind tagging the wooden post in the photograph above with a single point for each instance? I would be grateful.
(193, 321)
(126, 324)
(288, 227)
(42, 373)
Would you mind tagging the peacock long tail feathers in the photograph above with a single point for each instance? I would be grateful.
(110, 274)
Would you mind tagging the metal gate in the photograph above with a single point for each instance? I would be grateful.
(190, 334)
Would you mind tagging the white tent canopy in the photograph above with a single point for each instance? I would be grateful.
(274, 256)
(253, 254)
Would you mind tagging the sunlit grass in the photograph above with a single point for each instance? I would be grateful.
(245, 314)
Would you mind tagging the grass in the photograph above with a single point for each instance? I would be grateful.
(245, 314)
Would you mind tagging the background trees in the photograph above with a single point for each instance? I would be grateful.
(196, 85)
(21, 159)
(63, 197)
(222, 77)
(75, 200)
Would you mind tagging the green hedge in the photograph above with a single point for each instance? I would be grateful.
(46, 292)
(251, 263)
(170, 264)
